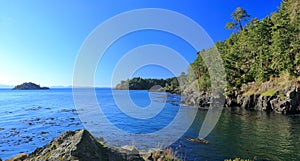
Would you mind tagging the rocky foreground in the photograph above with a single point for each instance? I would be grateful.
(80, 145)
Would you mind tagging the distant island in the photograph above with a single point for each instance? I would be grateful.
(29, 86)
(137, 83)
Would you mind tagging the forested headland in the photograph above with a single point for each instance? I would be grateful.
(261, 60)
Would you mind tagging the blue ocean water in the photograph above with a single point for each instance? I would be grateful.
(30, 119)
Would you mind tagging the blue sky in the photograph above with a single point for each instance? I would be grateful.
(40, 40)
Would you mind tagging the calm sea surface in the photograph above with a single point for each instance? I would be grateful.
(30, 119)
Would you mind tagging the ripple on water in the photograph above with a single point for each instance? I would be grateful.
(30, 119)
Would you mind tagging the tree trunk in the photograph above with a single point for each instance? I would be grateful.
(241, 27)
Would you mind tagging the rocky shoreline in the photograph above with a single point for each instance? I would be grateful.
(270, 96)
(80, 145)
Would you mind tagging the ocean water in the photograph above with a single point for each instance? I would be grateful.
(30, 119)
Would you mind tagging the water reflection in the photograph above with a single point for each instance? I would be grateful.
(249, 135)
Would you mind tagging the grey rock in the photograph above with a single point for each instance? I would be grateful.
(80, 145)
(286, 98)
(248, 102)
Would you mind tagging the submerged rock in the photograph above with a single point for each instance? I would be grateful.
(197, 140)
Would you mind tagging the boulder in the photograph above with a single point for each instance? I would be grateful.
(72, 145)
(80, 145)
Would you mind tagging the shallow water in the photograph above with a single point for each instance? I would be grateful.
(30, 119)
(249, 135)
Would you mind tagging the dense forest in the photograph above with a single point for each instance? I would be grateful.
(256, 51)
(138, 83)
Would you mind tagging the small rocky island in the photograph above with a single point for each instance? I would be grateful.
(29, 86)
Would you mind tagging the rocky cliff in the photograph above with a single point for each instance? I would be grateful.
(281, 97)
(277, 95)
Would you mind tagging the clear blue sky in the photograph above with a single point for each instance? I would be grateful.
(39, 40)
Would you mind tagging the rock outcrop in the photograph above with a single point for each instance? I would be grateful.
(29, 86)
(285, 100)
(281, 98)
(192, 97)
(80, 145)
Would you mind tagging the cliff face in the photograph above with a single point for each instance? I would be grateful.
(280, 96)
(276, 95)
(29, 86)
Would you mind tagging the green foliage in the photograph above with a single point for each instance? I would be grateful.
(164, 155)
(230, 25)
(262, 49)
(138, 83)
(53, 146)
(238, 16)
(200, 71)
(268, 93)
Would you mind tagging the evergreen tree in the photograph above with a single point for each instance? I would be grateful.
(238, 16)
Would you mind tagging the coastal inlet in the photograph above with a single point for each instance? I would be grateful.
(31, 119)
